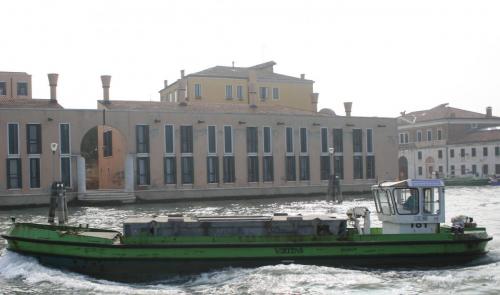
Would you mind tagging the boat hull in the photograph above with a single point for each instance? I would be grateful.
(136, 262)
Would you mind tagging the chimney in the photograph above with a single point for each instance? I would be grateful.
(302, 76)
(106, 81)
(489, 112)
(314, 102)
(53, 86)
(165, 83)
(182, 74)
(347, 107)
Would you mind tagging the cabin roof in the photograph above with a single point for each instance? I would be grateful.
(412, 183)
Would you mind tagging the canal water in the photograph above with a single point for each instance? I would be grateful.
(23, 275)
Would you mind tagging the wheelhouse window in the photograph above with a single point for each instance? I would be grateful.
(34, 138)
(431, 201)
(383, 202)
(406, 200)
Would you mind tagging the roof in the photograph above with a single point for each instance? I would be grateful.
(478, 136)
(263, 71)
(29, 103)
(200, 107)
(412, 183)
(442, 111)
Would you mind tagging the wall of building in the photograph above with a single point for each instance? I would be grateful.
(384, 130)
(11, 79)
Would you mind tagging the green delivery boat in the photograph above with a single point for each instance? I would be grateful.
(411, 213)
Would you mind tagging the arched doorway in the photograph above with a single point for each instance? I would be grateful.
(104, 150)
(403, 167)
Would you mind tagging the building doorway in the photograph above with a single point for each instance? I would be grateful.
(104, 150)
(403, 168)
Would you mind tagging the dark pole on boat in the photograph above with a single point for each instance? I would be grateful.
(53, 188)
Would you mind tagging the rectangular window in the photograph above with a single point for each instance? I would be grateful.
(239, 92)
(290, 168)
(324, 140)
(3, 89)
(452, 170)
(252, 140)
(474, 170)
(229, 91)
(13, 138)
(462, 153)
(66, 171)
(253, 169)
(497, 151)
(369, 140)
(169, 170)
(263, 93)
(473, 152)
(406, 137)
(401, 138)
(228, 140)
(197, 90)
(485, 169)
(276, 93)
(429, 135)
(485, 151)
(268, 168)
(419, 155)
(64, 138)
(358, 167)
(304, 168)
(34, 172)
(303, 140)
(142, 139)
(289, 140)
(357, 141)
(462, 169)
(34, 138)
(440, 154)
(212, 169)
(370, 167)
(440, 134)
(228, 165)
(187, 170)
(186, 139)
(212, 141)
(419, 136)
(14, 179)
(22, 88)
(108, 143)
(338, 162)
(267, 141)
(324, 167)
(143, 177)
(440, 169)
(338, 143)
(452, 153)
(497, 169)
(420, 171)
(169, 139)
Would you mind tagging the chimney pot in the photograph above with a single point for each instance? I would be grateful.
(106, 81)
(348, 107)
(53, 86)
(165, 83)
(182, 73)
(302, 76)
(489, 112)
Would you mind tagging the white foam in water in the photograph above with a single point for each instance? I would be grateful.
(18, 267)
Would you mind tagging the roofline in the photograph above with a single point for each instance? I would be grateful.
(435, 122)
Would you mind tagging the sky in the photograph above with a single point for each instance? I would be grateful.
(384, 56)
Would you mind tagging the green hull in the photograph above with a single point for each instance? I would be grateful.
(107, 254)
